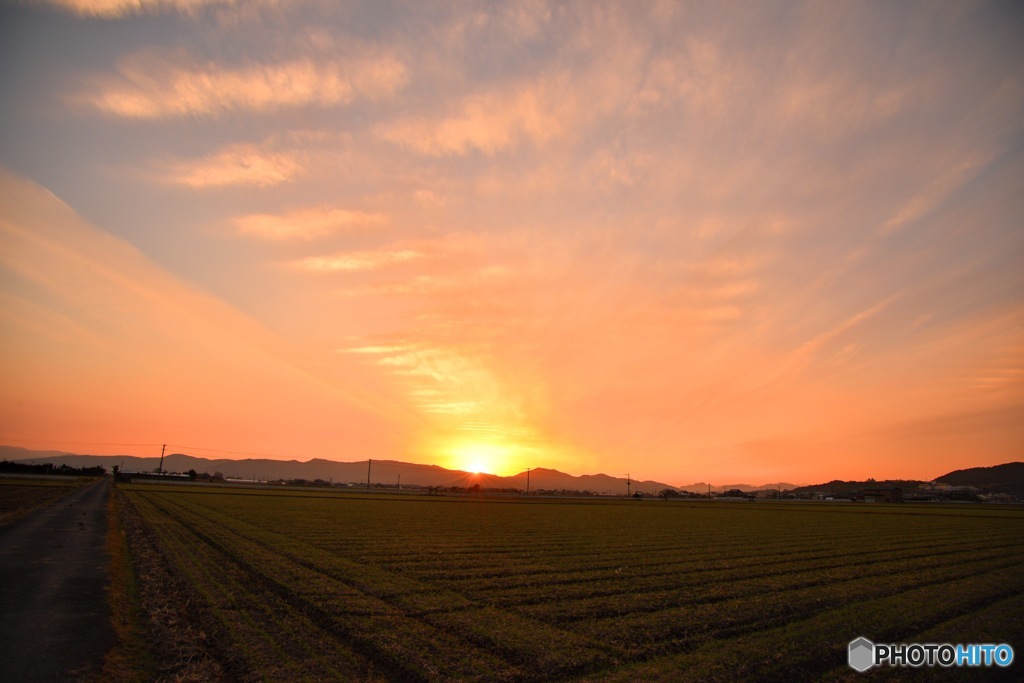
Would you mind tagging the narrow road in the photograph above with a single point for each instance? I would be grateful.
(54, 570)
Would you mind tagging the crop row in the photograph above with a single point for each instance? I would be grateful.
(812, 643)
(413, 631)
(357, 587)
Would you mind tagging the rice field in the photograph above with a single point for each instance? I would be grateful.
(20, 495)
(344, 586)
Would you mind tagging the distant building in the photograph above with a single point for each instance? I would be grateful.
(889, 495)
(735, 494)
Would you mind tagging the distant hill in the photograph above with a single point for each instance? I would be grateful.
(13, 453)
(543, 478)
(381, 471)
(840, 487)
(1008, 478)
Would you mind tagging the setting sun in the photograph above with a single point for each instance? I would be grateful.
(483, 458)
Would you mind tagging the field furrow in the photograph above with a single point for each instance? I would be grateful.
(266, 637)
(408, 625)
(344, 587)
(806, 647)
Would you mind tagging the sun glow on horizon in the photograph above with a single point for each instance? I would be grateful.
(483, 458)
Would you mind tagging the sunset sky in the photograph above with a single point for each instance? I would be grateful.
(722, 241)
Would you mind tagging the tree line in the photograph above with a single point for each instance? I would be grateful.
(50, 468)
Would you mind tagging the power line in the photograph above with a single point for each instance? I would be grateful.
(216, 450)
(78, 443)
(142, 445)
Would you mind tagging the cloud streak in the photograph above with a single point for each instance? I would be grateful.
(490, 123)
(358, 260)
(151, 87)
(242, 164)
(113, 9)
(307, 224)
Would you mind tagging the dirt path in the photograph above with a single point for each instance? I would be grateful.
(54, 615)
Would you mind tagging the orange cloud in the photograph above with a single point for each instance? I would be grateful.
(112, 9)
(806, 350)
(489, 122)
(242, 164)
(358, 260)
(438, 258)
(306, 224)
(149, 87)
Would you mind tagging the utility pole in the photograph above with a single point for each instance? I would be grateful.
(527, 481)
(369, 462)
(627, 485)
(161, 469)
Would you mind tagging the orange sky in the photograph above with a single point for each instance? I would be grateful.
(731, 243)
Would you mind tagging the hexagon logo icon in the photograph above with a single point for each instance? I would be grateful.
(861, 654)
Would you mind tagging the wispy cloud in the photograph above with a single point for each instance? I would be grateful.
(112, 9)
(379, 349)
(354, 261)
(462, 388)
(241, 164)
(307, 224)
(831, 106)
(489, 122)
(946, 180)
(459, 282)
(149, 86)
(803, 354)
(450, 256)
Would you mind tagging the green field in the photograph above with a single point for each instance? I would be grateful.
(318, 586)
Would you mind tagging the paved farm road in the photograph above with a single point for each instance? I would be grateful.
(54, 616)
